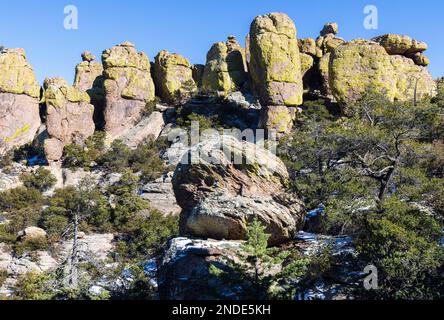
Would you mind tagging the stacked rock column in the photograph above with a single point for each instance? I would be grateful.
(275, 68)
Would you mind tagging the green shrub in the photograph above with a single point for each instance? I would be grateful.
(76, 156)
(31, 245)
(148, 237)
(42, 179)
(404, 246)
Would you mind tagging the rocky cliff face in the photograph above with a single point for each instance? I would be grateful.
(69, 117)
(128, 87)
(19, 100)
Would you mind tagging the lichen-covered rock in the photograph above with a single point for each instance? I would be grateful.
(16, 74)
(128, 87)
(411, 79)
(69, 117)
(307, 63)
(19, 100)
(307, 46)
(225, 70)
(89, 78)
(174, 78)
(396, 44)
(330, 28)
(198, 71)
(278, 118)
(275, 64)
(419, 59)
(220, 195)
(360, 67)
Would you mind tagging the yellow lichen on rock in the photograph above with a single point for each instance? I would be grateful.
(174, 77)
(16, 74)
(275, 64)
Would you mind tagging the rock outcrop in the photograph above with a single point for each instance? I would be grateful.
(225, 70)
(278, 118)
(229, 183)
(360, 67)
(184, 272)
(89, 78)
(174, 78)
(19, 100)
(128, 87)
(275, 63)
(69, 117)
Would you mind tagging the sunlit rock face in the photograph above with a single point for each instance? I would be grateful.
(19, 100)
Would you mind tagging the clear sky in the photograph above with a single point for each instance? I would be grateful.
(189, 27)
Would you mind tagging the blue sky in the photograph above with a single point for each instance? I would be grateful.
(189, 27)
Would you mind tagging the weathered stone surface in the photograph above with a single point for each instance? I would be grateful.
(219, 196)
(275, 64)
(411, 78)
(360, 67)
(32, 233)
(330, 28)
(225, 70)
(160, 194)
(16, 74)
(324, 72)
(148, 128)
(307, 63)
(198, 71)
(419, 59)
(307, 46)
(88, 56)
(184, 272)
(89, 78)
(128, 87)
(19, 100)
(279, 118)
(69, 116)
(396, 44)
(174, 78)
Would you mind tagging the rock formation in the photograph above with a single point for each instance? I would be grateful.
(128, 87)
(174, 78)
(69, 117)
(360, 67)
(219, 196)
(275, 63)
(89, 78)
(19, 100)
(225, 70)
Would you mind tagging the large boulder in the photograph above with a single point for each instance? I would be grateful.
(69, 117)
(225, 70)
(19, 100)
(275, 63)
(89, 78)
(229, 183)
(396, 44)
(128, 85)
(361, 66)
(174, 78)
